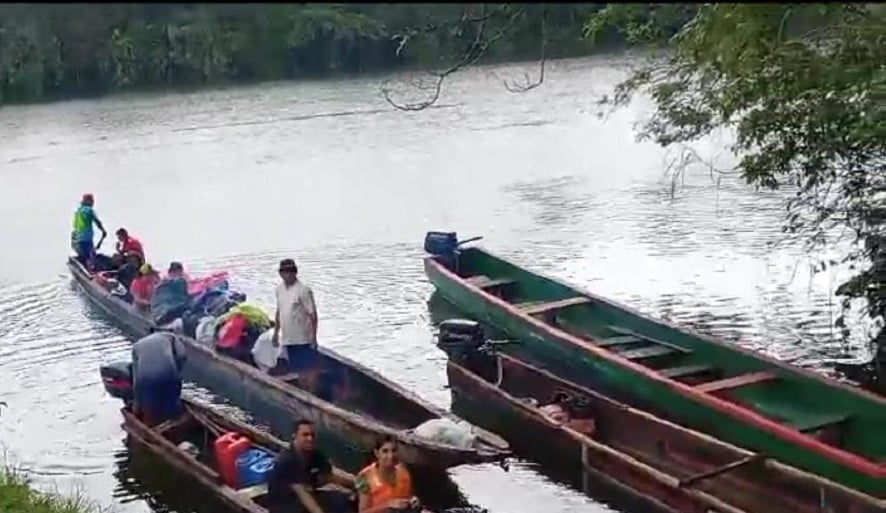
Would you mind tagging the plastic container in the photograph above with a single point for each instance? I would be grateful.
(254, 467)
(228, 448)
(246, 458)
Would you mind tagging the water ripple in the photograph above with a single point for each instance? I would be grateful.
(237, 178)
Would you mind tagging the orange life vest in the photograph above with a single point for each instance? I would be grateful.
(381, 491)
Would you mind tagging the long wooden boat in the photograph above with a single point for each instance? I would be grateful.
(798, 417)
(365, 407)
(671, 467)
(200, 426)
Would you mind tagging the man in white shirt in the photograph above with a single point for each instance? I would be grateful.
(295, 326)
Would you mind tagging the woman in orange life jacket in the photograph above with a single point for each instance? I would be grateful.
(385, 486)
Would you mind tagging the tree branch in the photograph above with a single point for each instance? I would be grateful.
(475, 51)
(528, 84)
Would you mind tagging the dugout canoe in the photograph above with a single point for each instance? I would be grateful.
(365, 406)
(199, 426)
(671, 467)
(793, 415)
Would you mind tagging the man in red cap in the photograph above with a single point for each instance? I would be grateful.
(81, 237)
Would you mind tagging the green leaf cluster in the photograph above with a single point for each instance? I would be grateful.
(803, 87)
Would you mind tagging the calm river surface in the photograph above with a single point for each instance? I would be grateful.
(325, 172)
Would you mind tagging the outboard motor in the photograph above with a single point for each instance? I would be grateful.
(117, 379)
(443, 245)
(464, 343)
(458, 335)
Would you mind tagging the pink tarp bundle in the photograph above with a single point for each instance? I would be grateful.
(197, 286)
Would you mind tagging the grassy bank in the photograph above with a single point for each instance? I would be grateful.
(18, 496)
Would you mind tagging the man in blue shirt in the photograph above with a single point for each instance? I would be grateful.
(81, 237)
(157, 362)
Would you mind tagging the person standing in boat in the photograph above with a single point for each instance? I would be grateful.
(157, 361)
(295, 323)
(300, 472)
(82, 234)
(385, 486)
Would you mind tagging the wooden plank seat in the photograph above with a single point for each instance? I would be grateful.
(646, 352)
(535, 308)
(629, 332)
(621, 340)
(169, 425)
(816, 422)
(741, 380)
(251, 492)
(685, 371)
(288, 377)
(485, 282)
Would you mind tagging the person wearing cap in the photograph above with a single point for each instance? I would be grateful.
(176, 270)
(82, 234)
(295, 326)
(142, 288)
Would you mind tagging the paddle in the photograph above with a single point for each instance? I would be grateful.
(100, 241)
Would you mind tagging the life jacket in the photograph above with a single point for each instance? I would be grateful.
(82, 225)
(380, 491)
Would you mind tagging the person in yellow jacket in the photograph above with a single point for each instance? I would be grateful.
(385, 486)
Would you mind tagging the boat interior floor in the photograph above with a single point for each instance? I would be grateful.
(736, 478)
(197, 437)
(677, 363)
(341, 389)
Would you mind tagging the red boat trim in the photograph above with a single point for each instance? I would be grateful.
(851, 460)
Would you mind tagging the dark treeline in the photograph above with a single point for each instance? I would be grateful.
(58, 50)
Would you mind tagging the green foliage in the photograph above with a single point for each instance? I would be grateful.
(51, 50)
(803, 86)
(17, 496)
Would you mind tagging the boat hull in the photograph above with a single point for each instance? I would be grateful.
(579, 362)
(639, 454)
(278, 403)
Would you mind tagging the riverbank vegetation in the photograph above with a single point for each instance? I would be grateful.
(803, 89)
(18, 496)
(60, 50)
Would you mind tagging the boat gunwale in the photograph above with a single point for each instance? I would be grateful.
(490, 452)
(854, 461)
(712, 441)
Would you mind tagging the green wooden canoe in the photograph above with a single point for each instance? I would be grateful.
(798, 417)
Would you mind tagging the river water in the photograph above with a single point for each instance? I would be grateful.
(327, 173)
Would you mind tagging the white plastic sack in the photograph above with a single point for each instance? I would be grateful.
(446, 431)
(205, 333)
(264, 352)
(176, 326)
